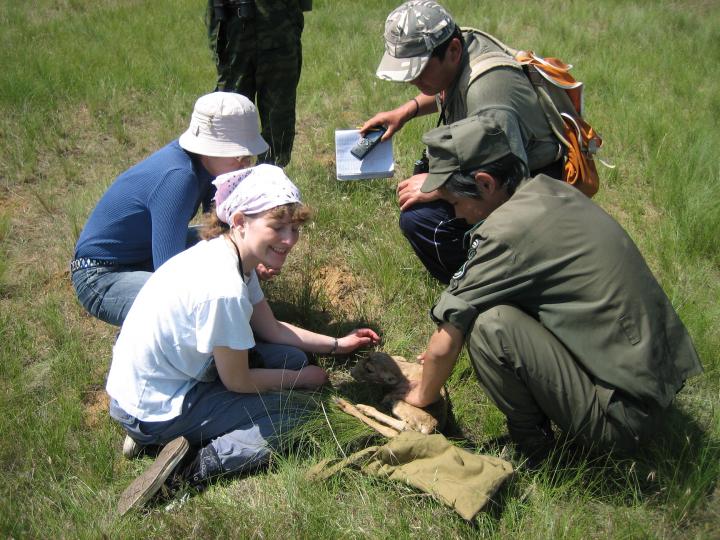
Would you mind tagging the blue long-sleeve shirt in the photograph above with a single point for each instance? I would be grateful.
(143, 216)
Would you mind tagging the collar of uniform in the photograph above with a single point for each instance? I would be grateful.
(468, 235)
(449, 94)
(524, 182)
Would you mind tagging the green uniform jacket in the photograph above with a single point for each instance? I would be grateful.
(506, 89)
(552, 252)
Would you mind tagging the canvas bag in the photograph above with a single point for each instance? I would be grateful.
(561, 98)
(460, 479)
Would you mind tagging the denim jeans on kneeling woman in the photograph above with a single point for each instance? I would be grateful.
(108, 292)
(241, 429)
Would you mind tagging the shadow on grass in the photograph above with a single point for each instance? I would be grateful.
(677, 471)
(317, 320)
(680, 469)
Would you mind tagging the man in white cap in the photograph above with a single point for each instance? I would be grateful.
(142, 219)
(424, 47)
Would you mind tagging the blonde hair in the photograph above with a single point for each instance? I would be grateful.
(212, 226)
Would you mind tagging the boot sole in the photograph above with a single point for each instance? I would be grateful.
(148, 483)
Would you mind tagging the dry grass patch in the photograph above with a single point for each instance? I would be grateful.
(96, 406)
(345, 291)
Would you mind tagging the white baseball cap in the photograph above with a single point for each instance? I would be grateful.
(223, 124)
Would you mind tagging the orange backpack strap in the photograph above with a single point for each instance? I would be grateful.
(556, 72)
(579, 169)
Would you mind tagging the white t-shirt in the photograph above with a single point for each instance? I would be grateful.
(194, 302)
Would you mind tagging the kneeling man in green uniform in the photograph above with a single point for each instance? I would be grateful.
(562, 318)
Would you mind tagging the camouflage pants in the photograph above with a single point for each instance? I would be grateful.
(264, 68)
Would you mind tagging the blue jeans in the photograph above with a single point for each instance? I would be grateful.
(243, 429)
(108, 292)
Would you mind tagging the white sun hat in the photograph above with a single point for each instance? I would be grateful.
(223, 124)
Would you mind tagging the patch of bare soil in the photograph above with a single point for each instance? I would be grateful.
(97, 403)
(341, 288)
(349, 296)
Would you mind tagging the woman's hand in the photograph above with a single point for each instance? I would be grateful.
(355, 339)
(311, 378)
(264, 273)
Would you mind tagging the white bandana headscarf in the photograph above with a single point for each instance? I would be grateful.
(252, 191)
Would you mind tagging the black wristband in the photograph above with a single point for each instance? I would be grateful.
(417, 108)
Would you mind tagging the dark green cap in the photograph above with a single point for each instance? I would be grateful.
(470, 144)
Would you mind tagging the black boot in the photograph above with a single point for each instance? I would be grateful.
(203, 468)
(534, 445)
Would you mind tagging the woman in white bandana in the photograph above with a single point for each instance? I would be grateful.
(183, 373)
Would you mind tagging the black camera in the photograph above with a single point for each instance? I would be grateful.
(422, 165)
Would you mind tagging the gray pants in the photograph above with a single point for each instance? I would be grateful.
(531, 378)
(243, 429)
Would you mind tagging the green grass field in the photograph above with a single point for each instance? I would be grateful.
(90, 88)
